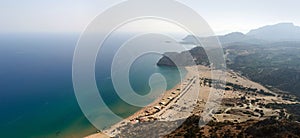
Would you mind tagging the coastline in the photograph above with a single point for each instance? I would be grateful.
(232, 108)
(156, 109)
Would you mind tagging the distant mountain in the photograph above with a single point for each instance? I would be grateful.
(225, 40)
(267, 34)
(277, 32)
(232, 37)
(238, 37)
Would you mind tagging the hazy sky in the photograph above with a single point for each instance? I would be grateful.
(223, 16)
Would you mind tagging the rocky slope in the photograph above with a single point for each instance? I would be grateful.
(195, 56)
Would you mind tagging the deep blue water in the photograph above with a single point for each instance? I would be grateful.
(36, 92)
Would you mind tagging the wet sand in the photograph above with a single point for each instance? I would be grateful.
(183, 95)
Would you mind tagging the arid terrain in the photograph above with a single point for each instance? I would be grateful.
(243, 105)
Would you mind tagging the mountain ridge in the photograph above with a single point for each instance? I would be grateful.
(262, 35)
(277, 32)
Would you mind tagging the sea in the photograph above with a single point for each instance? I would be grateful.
(37, 99)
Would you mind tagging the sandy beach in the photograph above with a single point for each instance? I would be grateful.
(241, 100)
(167, 107)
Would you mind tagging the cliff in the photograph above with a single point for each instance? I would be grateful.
(198, 55)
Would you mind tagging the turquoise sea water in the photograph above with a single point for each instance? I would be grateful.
(36, 92)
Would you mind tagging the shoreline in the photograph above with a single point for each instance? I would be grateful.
(158, 106)
(159, 99)
(233, 108)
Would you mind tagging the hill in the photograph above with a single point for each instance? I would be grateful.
(194, 56)
(277, 32)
